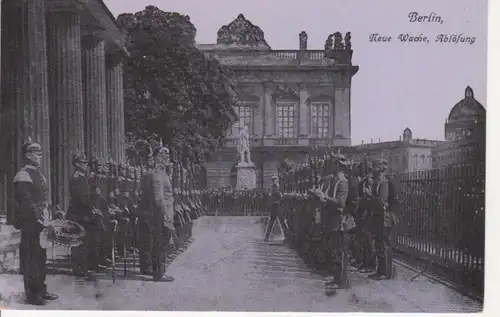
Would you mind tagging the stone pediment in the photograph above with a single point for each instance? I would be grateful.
(244, 96)
(319, 93)
(241, 32)
(285, 92)
(320, 97)
(247, 94)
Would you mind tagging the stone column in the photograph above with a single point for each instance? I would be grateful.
(94, 96)
(24, 87)
(342, 99)
(269, 120)
(116, 115)
(12, 109)
(305, 120)
(66, 99)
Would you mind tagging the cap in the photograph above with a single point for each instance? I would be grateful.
(79, 158)
(274, 177)
(31, 147)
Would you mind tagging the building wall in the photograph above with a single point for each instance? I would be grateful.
(259, 104)
(420, 158)
(471, 151)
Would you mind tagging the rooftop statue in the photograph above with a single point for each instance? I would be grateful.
(241, 31)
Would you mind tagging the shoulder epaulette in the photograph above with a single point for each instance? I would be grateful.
(23, 176)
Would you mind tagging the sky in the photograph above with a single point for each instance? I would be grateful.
(398, 84)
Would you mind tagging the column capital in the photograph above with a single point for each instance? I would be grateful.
(75, 6)
(91, 35)
(113, 59)
(93, 30)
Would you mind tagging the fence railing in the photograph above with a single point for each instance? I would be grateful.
(443, 221)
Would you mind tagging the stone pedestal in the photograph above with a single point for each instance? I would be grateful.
(246, 175)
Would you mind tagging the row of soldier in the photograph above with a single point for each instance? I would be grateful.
(334, 211)
(147, 209)
(337, 211)
(227, 201)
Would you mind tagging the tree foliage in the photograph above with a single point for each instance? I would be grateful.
(171, 89)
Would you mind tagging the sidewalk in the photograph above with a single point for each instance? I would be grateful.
(228, 267)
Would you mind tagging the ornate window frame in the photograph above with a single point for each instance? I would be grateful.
(324, 99)
(326, 129)
(250, 105)
(293, 106)
(284, 95)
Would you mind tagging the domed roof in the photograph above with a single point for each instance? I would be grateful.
(467, 108)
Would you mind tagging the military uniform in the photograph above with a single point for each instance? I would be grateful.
(105, 244)
(31, 197)
(363, 223)
(158, 196)
(379, 204)
(123, 214)
(334, 227)
(275, 212)
(144, 212)
(81, 210)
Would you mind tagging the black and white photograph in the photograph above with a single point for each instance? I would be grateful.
(244, 156)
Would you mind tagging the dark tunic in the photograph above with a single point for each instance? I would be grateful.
(80, 204)
(30, 194)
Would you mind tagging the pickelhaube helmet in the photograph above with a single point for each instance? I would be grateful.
(382, 164)
(131, 169)
(31, 147)
(79, 158)
(160, 149)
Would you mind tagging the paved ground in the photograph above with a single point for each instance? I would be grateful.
(228, 267)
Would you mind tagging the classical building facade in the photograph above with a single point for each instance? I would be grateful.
(406, 154)
(291, 100)
(465, 134)
(62, 85)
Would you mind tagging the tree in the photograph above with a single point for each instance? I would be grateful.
(171, 89)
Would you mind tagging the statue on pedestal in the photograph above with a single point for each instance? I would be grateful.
(347, 40)
(244, 146)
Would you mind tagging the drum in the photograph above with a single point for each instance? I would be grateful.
(62, 232)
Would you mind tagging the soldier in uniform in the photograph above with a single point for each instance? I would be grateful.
(145, 218)
(31, 197)
(81, 210)
(121, 196)
(159, 197)
(350, 211)
(391, 218)
(105, 245)
(131, 206)
(274, 212)
(335, 225)
(379, 204)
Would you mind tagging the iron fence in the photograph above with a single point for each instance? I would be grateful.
(443, 221)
